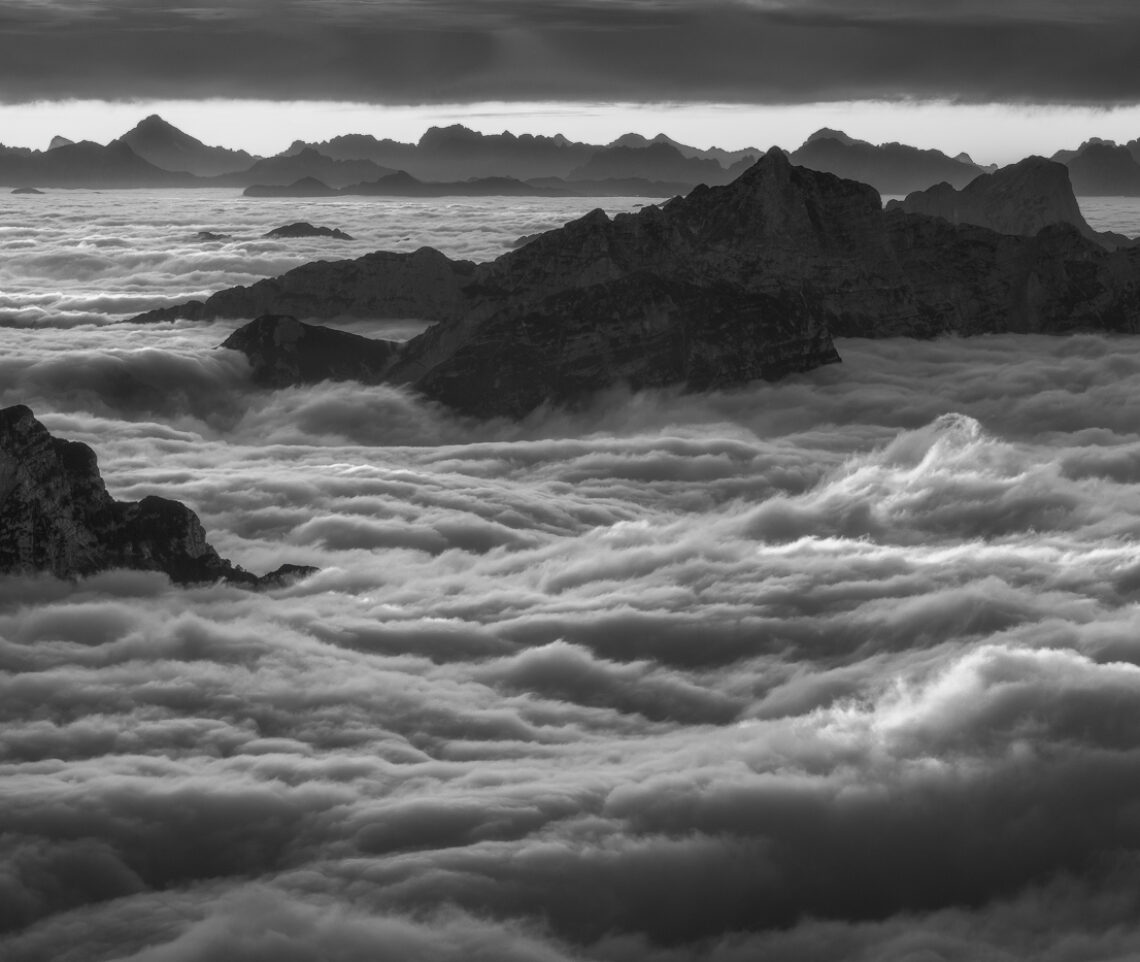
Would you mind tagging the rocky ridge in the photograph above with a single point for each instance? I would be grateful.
(708, 290)
(1022, 198)
(56, 516)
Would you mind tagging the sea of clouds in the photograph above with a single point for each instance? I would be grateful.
(841, 667)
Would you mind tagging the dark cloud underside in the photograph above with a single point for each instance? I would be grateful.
(393, 51)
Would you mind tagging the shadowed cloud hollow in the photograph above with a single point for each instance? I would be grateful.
(441, 50)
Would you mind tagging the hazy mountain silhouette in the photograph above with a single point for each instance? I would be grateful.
(889, 168)
(655, 161)
(87, 164)
(1101, 168)
(457, 153)
(286, 169)
(59, 141)
(165, 146)
(725, 158)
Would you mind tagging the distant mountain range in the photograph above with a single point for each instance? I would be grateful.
(457, 160)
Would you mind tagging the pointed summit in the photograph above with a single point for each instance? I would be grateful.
(164, 145)
(58, 141)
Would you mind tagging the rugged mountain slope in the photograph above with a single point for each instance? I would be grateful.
(725, 284)
(424, 284)
(1019, 199)
(56, 516)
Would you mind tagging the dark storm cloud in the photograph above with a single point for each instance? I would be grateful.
(393, 51)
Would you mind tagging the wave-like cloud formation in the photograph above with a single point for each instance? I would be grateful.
(841, 667)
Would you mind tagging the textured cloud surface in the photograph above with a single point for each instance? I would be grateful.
(843, 667)
(396, 51)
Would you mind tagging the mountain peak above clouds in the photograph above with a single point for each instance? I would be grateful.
(161, 143)
(56, 516)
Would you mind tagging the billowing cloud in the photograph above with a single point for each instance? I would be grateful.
(394, 51)
(840, 667)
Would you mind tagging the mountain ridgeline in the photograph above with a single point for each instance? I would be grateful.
(455, 160)
(749, 280)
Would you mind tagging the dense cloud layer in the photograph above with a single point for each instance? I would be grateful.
(842, 667)
(79, 257)
(394, 51)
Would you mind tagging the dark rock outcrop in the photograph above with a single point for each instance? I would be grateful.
(209, 235)
(56, 516)
(715, 288)
(1021, 199)
(305, 229)
(27, 190)
(424, 284)
(284, 351)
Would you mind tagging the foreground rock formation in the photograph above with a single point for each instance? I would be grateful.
(56, 516)
(1022, 198)
(726, 284)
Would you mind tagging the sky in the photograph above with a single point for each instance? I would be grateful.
(997, 80)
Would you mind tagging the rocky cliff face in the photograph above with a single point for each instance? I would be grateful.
(56, 516)
(1021, 199)
(970, 280)
(284, 351)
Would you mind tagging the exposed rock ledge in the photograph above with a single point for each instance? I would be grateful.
(56, 516)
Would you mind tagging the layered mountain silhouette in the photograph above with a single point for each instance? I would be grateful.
(721, 286)
(889, 168)
(726, 157)
(1100, 168)
(403, 184)
(87, 164)
(654, 161)
(457, 153)
(308, 163)
(164, 145)
(56, 516)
